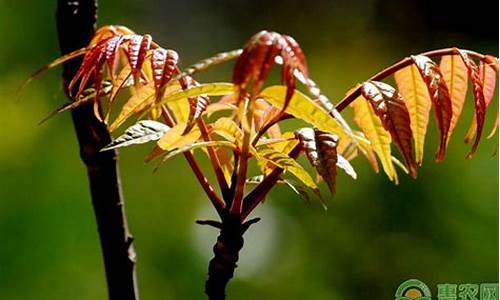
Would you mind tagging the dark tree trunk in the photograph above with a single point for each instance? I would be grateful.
(226, 254)
(221, 267)
(76, 24)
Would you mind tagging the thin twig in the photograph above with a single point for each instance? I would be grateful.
(237, 204)
(209, 190)
(214, 159)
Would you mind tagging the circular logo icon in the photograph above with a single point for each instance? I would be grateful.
(413, 289)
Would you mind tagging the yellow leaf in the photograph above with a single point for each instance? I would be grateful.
(143, 99)
(226, 161)
(304, 108)
(373, 129)
(455, 75)
(218, 106)
(180, 109)
(288, 164)
(193, 146)
(146, 68)
(118, 83)
(289, 142)
(347, 149)
(283, 145)
(367, 150)
(173, 138)
(417, 99)
(209, 89)
(227, 128)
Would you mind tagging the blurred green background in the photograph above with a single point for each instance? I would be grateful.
(443, 227)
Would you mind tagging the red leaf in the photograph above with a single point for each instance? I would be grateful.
(297, 51)
(389, 106)
(492, 62)
(197, 105)
(158, 59)
(137, 49)
(321, 150)
(254, 61)
(145, 46)
(134, 47)
(326, 144)
(488, 72)
(170, 66)
(271, 50)
(489, 78)
(92, 60)
(260, 54)
(440, 97)
(479, 101)
(112, 48)
(164, 65)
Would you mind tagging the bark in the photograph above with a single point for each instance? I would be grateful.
(76, 24)
(226, 254)
(221, 267)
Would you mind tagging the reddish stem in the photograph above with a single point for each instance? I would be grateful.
(216, 201)
(214, 159)
(237, 204)
(280, 117)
